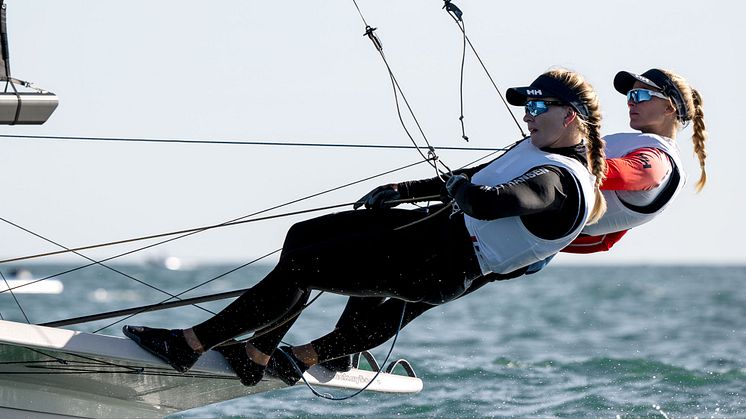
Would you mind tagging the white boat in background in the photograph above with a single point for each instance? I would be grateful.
(171, 263)
(22, 281)
(51, 372)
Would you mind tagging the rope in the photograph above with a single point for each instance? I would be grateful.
(370, 33)
(7, 285)
(228, 142)
(164, 304)
(329, 396)
(458, 16)
(456, 13)
(196, 230)
(95, 262)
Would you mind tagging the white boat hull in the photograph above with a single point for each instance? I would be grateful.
(32, 286)
(50, 371)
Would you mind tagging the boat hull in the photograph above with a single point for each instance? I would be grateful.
(52, 371)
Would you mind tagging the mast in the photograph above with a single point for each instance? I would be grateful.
(20, 107)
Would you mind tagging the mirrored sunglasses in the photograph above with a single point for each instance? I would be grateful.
(643, 95)
(538, 107)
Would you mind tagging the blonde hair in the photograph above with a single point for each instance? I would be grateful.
(591, 129)
(693, 101)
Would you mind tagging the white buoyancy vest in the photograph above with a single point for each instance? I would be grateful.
(623, 216)
(505, 244)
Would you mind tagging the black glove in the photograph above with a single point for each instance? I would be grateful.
(378, 197)
(454, 183)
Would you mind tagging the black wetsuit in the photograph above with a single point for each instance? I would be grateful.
(363, 254)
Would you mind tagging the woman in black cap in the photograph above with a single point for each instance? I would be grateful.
(645, 171)
(509, 213)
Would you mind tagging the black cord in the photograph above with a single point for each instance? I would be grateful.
(458, 17)
(227, 142)
(329, 396)
(7, 285)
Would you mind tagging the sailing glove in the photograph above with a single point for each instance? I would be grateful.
(379, 198)
(456, 182)
(456, 188)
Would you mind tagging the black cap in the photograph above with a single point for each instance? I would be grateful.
(624, 80)
(546, 86)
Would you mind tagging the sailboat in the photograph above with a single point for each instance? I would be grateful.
(22, 281)
(47, 371)
(51, 371)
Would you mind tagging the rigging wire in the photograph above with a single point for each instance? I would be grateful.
(190, 289)
(7, 285)
(458, 16)
(456, 12)
(95, 262)
(432, 156)
(229, 142)
(230, 222)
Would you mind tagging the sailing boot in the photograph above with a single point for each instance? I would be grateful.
(248, 371)
(167, 344)
(341, 364)
(285, 366)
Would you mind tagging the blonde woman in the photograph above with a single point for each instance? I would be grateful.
(645, 170)
(514, 211)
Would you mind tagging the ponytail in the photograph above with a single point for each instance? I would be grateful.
(698, 138)
(694, 113)
(591, 128)
(597, 162)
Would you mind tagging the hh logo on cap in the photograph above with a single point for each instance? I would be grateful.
(534, 92)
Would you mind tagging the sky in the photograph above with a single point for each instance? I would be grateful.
(303, 72)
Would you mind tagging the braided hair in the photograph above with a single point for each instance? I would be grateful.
(694, 113)
(591, 129)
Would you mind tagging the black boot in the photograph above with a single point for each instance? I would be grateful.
(285, 366)
(248, 371)
(168, 345)
(341, 364)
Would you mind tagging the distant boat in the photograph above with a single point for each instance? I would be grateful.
(22, 281)
(172, 263)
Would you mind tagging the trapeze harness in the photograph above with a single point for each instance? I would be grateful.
(505, 244)
(621, 214)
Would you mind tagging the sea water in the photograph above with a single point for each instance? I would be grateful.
(602, 342)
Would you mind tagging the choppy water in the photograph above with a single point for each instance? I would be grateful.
(614, 341)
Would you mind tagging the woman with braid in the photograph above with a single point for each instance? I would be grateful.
(644, 175)
(506, 215)
(645, 171)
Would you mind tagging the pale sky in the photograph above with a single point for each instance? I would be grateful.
(302, 72)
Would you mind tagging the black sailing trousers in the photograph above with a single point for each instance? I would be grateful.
(357, 253)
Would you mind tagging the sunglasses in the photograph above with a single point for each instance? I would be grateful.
(643, 95)
(538, 107)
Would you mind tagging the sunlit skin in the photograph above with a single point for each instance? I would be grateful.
(655, 116)
(305, 353)
(555, 128)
